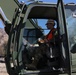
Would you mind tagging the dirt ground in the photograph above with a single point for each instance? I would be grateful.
(2, 67)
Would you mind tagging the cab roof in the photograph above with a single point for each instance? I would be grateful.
(42, 11)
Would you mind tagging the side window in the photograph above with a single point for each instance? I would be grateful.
(71, 23)
(30, 35)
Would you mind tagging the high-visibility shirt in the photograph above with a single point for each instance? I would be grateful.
(50, 35)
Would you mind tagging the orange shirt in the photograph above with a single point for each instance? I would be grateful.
(50, 35)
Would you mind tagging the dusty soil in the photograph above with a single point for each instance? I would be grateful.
(2, 67)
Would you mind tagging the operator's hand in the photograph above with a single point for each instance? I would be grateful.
(41, 40)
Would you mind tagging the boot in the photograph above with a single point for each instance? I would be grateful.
(33, 65)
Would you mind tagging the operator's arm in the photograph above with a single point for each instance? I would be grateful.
(49, 37)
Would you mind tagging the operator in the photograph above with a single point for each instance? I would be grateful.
(42, 49)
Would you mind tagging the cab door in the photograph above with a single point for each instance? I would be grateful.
(64, 44)
(71, 24)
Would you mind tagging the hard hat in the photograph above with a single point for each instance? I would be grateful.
(50, 21)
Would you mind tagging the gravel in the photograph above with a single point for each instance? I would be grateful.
(3, 70)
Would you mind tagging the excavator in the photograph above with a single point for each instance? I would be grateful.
(24, 24)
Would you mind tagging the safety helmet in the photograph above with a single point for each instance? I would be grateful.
(50, 21)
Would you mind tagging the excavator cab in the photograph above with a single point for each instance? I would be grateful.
(26, 27)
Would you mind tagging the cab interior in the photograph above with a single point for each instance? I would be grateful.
(33, 30)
